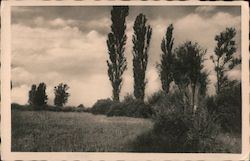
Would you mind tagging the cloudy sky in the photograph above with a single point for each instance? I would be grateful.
(68, 44)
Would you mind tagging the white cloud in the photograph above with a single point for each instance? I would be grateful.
(205, 9)
(64, 53)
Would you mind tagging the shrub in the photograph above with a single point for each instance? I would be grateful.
(180, 132)
(67, 109)
(80, 108)
(171, 102)
(52, 108)
(102, 106)
(15, 106)
(227, 105)
(155, 98)
(130, 107)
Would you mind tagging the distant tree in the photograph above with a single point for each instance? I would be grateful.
(224, 59)
(116, 46)
(141, 41)
(41, 96)
(32, 94)
(167, 60)
(188, 70)
(61, 94)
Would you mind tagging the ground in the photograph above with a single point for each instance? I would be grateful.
(46, 131)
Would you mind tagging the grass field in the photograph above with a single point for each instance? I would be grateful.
(46, 131)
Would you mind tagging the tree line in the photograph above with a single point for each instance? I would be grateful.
(38, 96)
(183, 65)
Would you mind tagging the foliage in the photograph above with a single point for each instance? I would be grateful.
(153, 99)
(61, 94)
(102, 106)
(131, 108)
(180, 132)
(224, 58)
(167, 59)
(228, 106)
(38, 96)
(32, 94)
(141, 42)
(189, 71)
(116, 42)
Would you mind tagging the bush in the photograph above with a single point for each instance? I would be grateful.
(167, 103)
(131, 108)
(15, 106)
(227, 105)
(52, 108)
(68, 109)
(155, 98)
(80, 108)
(179, 132)
(102, 106)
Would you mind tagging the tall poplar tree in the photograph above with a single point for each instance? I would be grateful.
(141, 42)
(116, 42)
(167, 60)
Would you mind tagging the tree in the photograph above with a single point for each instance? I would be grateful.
(188, 70)
(32, 94)
(224, 59)
(41, 96)
(167, 60)
(141, 41)
(116, 46)
(61, 94)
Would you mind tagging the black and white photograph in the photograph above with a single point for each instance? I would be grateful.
(127, 78)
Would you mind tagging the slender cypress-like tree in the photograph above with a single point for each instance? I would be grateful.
(117, 63)
(32, 94)
(141, 41)
(167, 60)
(224, 59)
(41, 96)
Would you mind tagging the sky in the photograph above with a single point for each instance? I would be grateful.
(68, 45)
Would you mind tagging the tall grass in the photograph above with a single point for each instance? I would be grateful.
(46, 131)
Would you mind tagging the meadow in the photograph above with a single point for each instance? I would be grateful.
(46, 131)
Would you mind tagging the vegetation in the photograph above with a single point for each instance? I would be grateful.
(61, 94)
(228, 112)
(38, 96)
(141, 41)
(224, 58)
(189, 73)
(74, 132)
(116, 42)
(182, 118)
(167, 60)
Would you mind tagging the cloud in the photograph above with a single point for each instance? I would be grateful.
(71, 48)
(205, 9)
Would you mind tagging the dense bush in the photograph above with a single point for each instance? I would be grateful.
(102, 106)
(177, 130)
(16, 106)
(130, 107)
(227, 105)
(155, 98)
(180, 132)
(167, 103)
